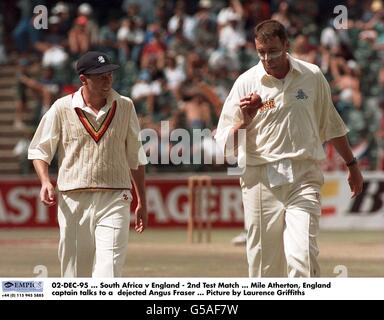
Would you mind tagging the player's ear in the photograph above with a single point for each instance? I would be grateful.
(287, 46)
(83, 79)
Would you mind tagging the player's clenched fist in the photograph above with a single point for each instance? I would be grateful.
(249, 106)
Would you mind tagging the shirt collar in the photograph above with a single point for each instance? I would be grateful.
(294, 65)
(78, 101)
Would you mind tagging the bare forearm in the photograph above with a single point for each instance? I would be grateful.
(233, 137)
(139, 182)
(342, 146)
(249, 106)
(41, 168)
(355, 178)
(47, 192)
(31, 83)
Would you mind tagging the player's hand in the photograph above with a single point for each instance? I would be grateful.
(47, 194)
(355, 180)
(140, 219)
(249, 105)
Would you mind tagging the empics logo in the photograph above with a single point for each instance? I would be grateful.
(7, 285)
(23, 286)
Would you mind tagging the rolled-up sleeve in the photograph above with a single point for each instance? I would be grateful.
(45, 140)
(134, 148)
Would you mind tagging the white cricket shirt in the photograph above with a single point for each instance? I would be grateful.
(94, 151)
(297, 117)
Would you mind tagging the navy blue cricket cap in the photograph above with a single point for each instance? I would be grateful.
(94, 62)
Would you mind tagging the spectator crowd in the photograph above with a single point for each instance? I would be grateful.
(179, 59)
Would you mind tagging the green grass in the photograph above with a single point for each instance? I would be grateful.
(166, 253)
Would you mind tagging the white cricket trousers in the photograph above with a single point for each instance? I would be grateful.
(94, 227)
(282, 222)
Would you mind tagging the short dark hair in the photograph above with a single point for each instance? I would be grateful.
(269, 29)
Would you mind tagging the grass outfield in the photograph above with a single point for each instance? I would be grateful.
(166, 253)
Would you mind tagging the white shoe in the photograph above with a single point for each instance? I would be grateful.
(240, 239)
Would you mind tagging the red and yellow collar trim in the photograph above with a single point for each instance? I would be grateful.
(97, 134)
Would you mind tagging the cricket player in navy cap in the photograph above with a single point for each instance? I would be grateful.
(96, 134)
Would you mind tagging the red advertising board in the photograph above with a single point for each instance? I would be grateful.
(20, 205)
(167, 201)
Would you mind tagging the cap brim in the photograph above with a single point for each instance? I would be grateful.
(103, 69)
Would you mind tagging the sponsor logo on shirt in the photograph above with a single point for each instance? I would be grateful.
(301, 95)
(267, 105)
